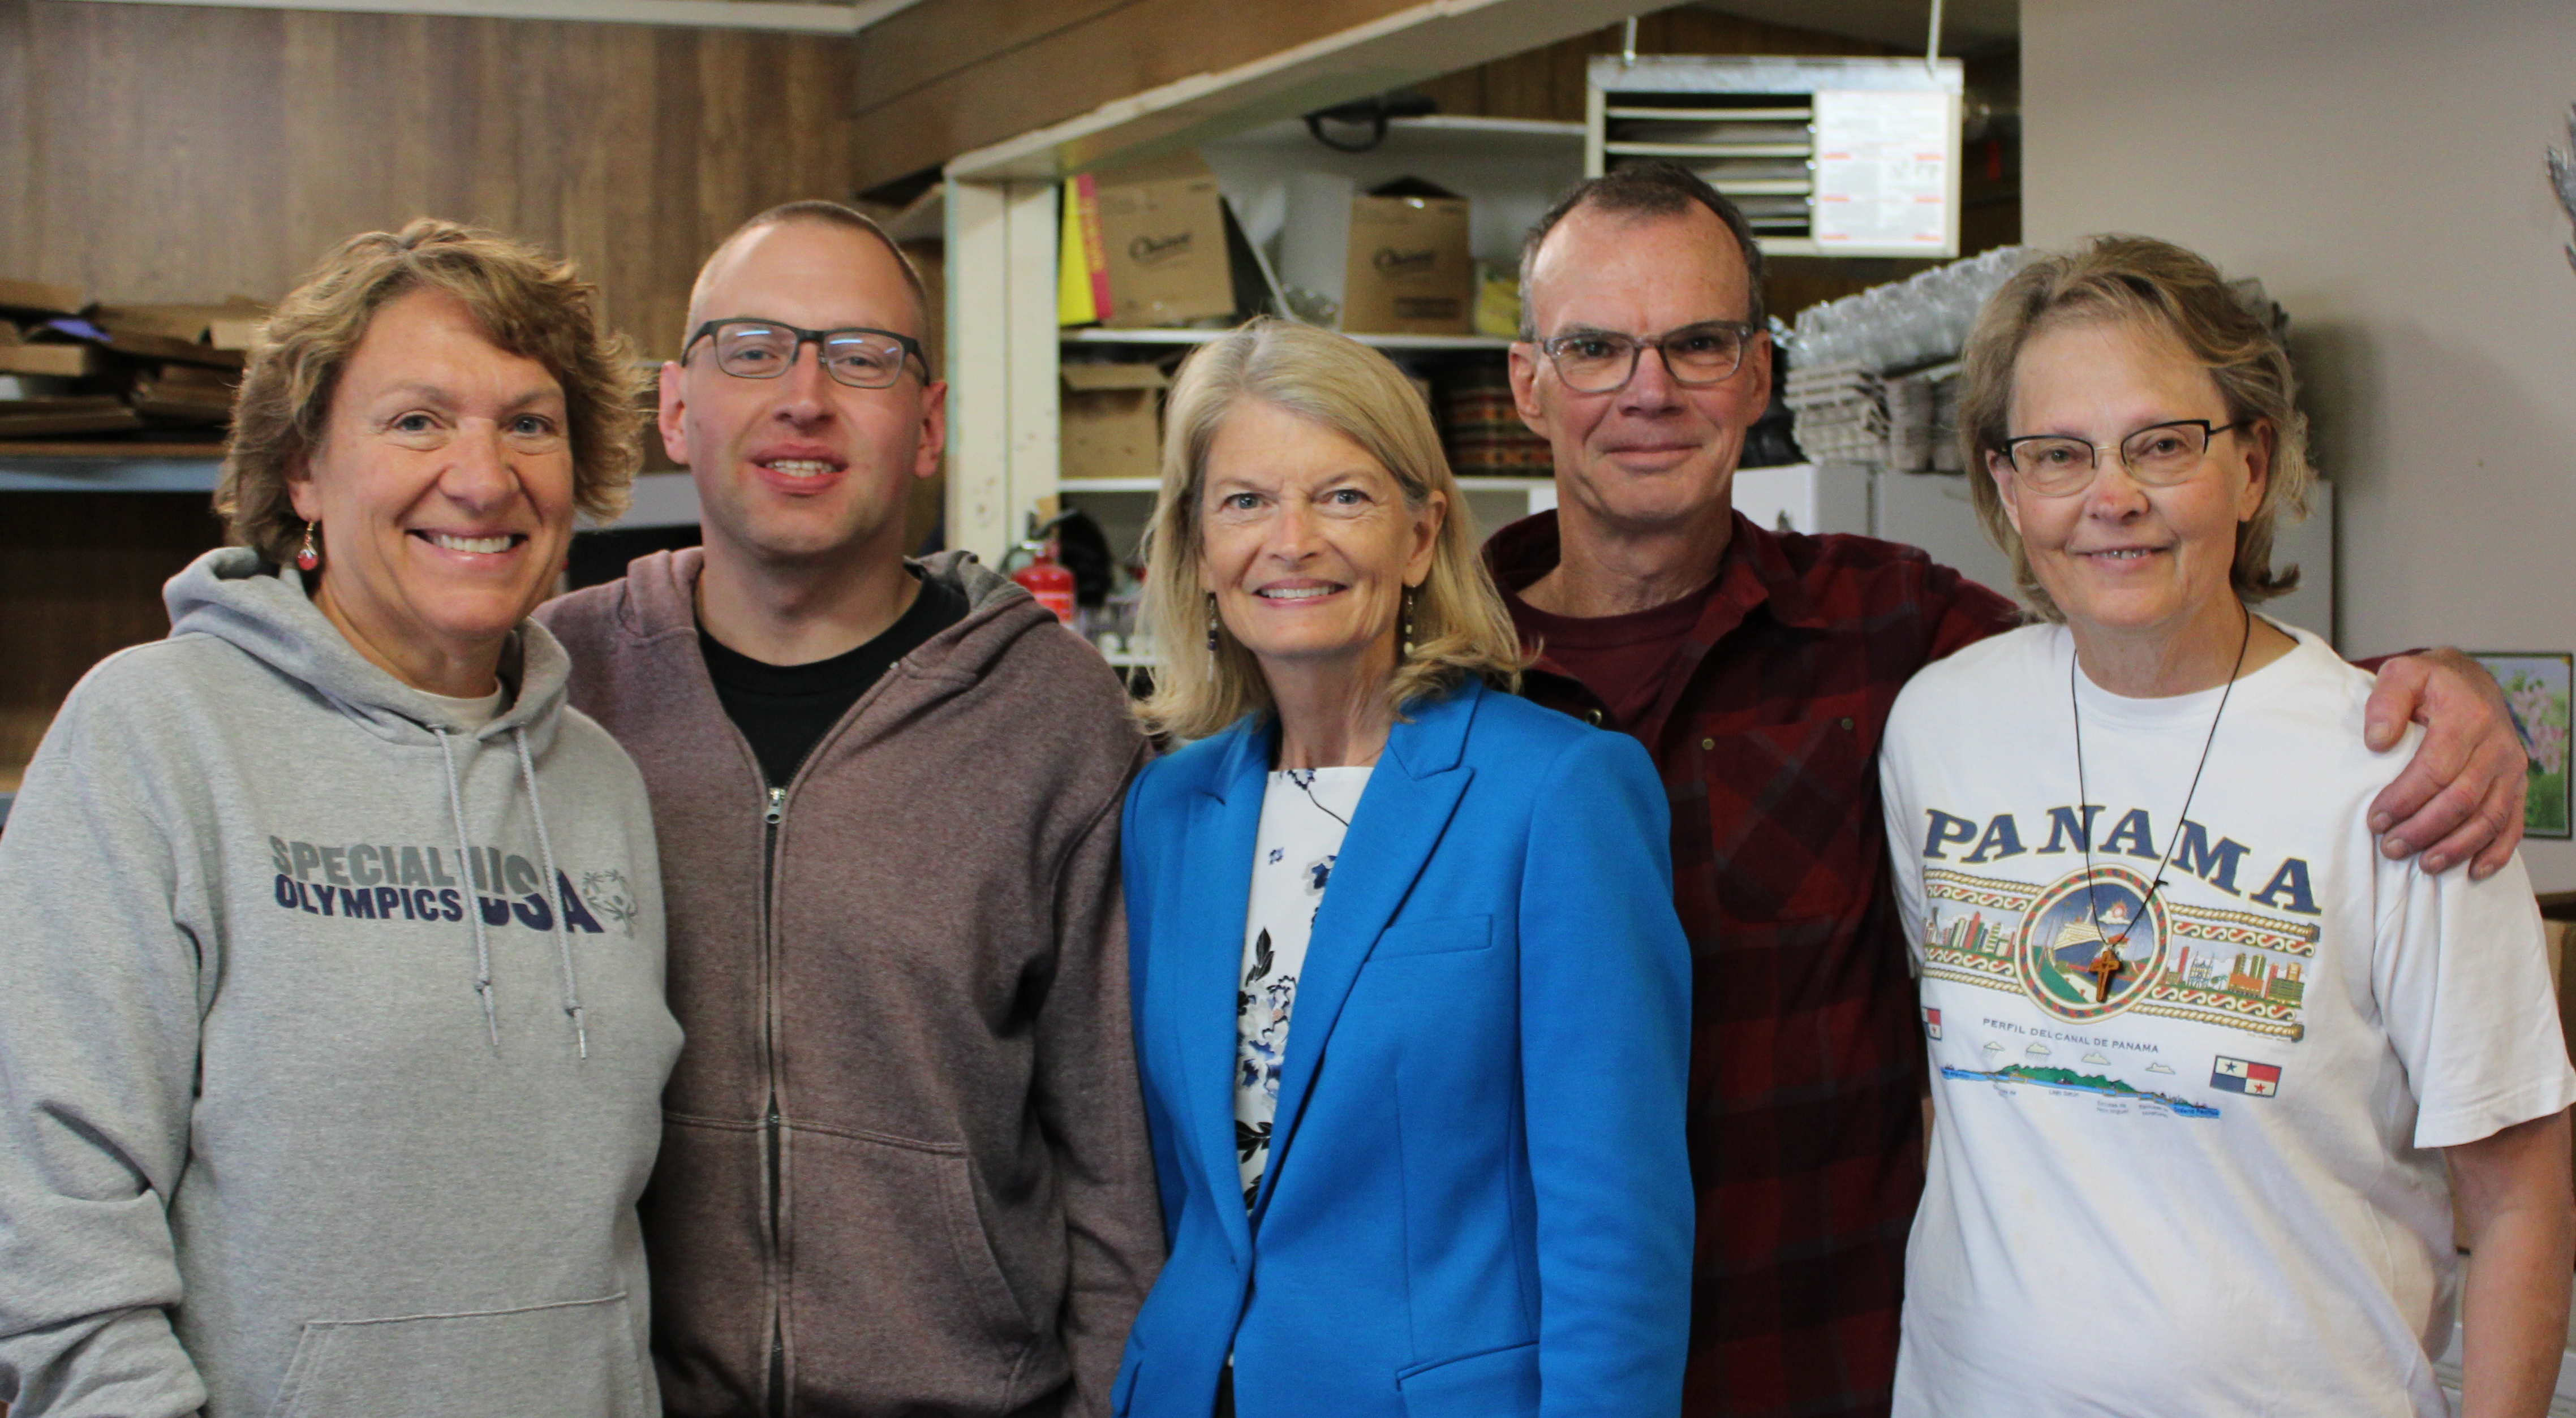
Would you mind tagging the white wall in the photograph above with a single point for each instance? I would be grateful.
(2378, 163)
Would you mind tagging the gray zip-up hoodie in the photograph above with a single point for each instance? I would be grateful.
(332, 1036)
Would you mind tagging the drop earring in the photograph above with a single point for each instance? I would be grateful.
(1211, 622)
(308, 558)
(1404, 625)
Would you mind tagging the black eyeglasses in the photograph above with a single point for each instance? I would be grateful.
(763, 349)
(1601, 361)
(2158, 455)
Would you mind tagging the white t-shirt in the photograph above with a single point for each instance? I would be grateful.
(2191, 1171)
(472, 713)
(1304, 812)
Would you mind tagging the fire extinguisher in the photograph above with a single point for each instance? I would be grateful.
(1047, 580)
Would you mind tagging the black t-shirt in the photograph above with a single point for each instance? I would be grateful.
(784, 710)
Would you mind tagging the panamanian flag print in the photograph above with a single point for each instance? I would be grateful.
(2260, 1080)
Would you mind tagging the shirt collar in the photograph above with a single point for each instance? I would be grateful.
(1754, 573)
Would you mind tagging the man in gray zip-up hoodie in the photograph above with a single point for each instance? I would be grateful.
(905, 1169)
(265, 1147)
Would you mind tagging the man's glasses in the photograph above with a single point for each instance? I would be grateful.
(763, 349)
(1601, 361)
(2158, 455)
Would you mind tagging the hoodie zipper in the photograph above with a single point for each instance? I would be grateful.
(770, 817)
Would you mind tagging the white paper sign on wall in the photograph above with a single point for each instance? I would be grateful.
(1887, 172)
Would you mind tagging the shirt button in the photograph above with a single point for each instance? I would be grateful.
(1708, 743)
(1847, 723)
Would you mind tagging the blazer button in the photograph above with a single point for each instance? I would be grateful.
(1592, 717)
(1847, 723)
(1707, 743)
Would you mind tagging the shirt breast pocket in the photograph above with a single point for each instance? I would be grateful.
(1790, 815)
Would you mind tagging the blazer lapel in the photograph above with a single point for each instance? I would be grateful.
(1400, 820)
(1217, 890)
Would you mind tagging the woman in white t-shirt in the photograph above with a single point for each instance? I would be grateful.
(2200, 1053)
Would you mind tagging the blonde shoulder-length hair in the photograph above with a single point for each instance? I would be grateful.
(1460, 627)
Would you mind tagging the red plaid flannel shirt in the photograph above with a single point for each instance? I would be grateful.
(1806, 1123)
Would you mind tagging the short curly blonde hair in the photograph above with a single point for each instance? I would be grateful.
(1460, 627)
(525, 301)
(2151, 285)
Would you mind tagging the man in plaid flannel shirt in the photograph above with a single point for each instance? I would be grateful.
(1758, 667)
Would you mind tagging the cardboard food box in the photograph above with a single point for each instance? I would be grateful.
(1389, 261)
(1407, 271)
(1162, 239)
(1111, 425)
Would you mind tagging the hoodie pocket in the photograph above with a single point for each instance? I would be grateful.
(898, 1287)
(574, 1359)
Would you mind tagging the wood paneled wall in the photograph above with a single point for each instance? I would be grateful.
(161, 153)
(80, 578)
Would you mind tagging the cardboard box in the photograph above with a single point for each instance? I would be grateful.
(1111, 425)
(1390, 261)
(1162, 237)
(1407, 271)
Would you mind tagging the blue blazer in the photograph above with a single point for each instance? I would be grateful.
(1478, 1202)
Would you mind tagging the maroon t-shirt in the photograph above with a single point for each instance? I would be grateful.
(1628, 660)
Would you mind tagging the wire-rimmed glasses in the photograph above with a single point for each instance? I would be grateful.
(2158, 455)
(1602, 361)
(858, 356)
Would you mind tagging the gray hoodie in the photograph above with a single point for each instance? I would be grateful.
(332, 1036)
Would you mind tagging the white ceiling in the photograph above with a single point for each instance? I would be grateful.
(1966, 25)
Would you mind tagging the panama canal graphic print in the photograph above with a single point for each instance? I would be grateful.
(2120, 953)
(2089, 945)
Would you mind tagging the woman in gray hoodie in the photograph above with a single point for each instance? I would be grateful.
(332, 1036)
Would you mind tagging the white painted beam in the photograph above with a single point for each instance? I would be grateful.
(1034, 225)
(979, 383)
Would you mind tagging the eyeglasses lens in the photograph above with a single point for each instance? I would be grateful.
(863, 361)
(2165, 455)
(2052, 465)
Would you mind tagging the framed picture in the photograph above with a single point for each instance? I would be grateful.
(2537, 684)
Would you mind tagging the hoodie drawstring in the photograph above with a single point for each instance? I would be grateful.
(474, 913)
(555, 884)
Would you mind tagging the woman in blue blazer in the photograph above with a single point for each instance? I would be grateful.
(1411, 1003)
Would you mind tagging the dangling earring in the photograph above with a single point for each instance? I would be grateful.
(308, 558)
(1404, 625)
(1211, 621)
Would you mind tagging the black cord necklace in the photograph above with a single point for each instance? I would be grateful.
(2083, 799)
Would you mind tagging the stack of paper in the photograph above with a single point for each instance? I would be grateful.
(1838, 414)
